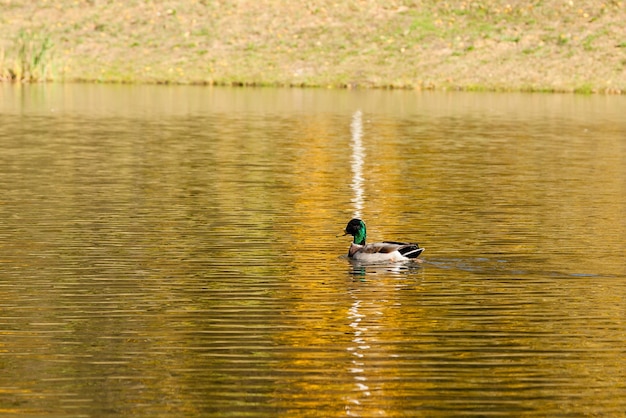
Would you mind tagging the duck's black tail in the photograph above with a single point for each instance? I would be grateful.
(411, 251)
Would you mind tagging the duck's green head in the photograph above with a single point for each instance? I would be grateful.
(356, 228)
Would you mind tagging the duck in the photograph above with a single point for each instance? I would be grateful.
(378, 252)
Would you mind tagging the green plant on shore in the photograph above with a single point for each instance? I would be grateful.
(30, 58)
(585, 88)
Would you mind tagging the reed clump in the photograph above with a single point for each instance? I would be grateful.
(28, 59)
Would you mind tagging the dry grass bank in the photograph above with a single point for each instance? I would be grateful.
(554, 45)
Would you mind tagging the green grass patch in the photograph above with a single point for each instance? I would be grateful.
(585, 88)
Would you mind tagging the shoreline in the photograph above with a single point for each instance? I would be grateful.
(585, 90)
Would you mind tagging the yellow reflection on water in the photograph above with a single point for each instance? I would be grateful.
(174, 249)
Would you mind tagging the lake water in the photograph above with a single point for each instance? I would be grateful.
(172, 251)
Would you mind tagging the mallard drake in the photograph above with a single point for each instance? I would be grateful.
(386, 251)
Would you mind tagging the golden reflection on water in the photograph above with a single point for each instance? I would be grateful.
(172, 250)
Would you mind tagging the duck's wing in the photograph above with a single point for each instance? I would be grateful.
(382, 247)
(370, 249)
(408, 250)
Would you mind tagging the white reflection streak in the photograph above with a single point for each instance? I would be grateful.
(357, 351)
(360, 345)
(358, 156)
